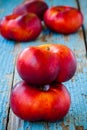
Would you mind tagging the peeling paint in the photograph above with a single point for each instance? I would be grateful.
(80, 34)
(79, 127)
(64, 127)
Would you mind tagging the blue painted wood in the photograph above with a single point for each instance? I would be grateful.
(83, 6)
(76, 119)
(7, 6)
(7, 60)
(6, 72)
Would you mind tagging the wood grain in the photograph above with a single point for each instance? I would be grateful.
(83, 7)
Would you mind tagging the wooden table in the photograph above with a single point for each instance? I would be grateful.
(76, 119)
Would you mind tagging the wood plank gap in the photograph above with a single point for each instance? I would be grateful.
(84, 34)
(78, 4)
(47, 126)
(9, 97)
(7, 117)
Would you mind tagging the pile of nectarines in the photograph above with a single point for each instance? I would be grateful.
(24, 24)
(41, 95)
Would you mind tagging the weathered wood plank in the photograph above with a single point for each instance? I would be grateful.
(6, 75)
(7, 6)
(83, 7)
(7, 60)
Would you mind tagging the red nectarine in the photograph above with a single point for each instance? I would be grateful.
(37, 66)
(20, 27)
(46, 63)
(63, 19)
(32, 6)
(32, 104)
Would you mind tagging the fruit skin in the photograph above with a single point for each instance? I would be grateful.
(63, 19)
(20, 27)
(66, 59)
(68, 63)
(32, 104)
(37, 66)
(46, 63)
(32, 6)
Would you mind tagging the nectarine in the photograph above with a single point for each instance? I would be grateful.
(32, 104)
(24, 27)
(63, 19)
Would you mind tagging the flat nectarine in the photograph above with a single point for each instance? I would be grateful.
(33, 104)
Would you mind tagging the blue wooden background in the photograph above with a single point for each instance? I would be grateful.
(76, 119)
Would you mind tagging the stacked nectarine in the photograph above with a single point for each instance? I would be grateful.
(32, 104)
(41, 95)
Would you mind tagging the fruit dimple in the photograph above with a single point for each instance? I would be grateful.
(61, 8)
(45, 88)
